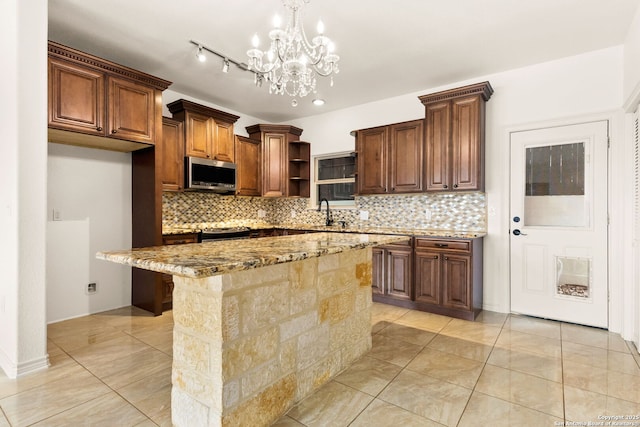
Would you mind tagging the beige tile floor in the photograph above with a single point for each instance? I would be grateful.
(114, 369)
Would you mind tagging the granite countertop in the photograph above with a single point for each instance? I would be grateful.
(198, 260)
(457, 234)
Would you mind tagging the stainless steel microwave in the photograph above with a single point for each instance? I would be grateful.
(212, 175)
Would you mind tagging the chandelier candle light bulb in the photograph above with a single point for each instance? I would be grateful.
(292, 63)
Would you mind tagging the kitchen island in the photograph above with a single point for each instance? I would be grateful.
(259, 324)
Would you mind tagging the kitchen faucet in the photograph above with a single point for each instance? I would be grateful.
(329, 220)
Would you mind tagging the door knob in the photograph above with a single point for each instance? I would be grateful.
(517, 232)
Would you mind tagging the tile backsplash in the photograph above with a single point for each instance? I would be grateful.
(437, 211)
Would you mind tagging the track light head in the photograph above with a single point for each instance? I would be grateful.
(200, 55)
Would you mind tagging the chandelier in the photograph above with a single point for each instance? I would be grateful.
(292, 62)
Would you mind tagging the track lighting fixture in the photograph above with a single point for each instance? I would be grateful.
(258, 77)
(200, 55)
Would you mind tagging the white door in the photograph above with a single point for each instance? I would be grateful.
(559, 223)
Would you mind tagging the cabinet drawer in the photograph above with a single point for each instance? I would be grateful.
(179, 239)
(449, 245)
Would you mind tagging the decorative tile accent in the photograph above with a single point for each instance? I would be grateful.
(448, 211)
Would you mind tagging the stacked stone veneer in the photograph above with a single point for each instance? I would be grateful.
(449, 211)
(249, 344)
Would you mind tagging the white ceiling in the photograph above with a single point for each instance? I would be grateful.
(387, 48)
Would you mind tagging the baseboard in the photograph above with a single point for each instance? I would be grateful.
(33, 365)
(13, 370)
(494, 307)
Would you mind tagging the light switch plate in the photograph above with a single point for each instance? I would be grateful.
(364, 215)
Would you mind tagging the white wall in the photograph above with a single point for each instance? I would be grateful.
(555, 91)
(23, 30)
(91, 190)
(631, 91)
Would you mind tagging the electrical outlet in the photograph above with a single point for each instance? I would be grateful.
(364, 215)
(293, 213)
(56, 215)
(92, 288)
(427, 214)
(262, 213)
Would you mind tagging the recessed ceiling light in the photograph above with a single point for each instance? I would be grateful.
(318, 101)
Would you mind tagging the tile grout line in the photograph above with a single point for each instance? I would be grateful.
(4, 414)
(104, 383)
(398, 374)
(484, 365)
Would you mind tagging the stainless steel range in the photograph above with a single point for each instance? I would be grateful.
(225, 233)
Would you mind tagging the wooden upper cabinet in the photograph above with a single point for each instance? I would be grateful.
(198, 135)
(208, 132)
(223, 149)
(274, 167)
(76, 98)
(249, 166)
(438, 117)
(172, 155)
(279, 179)
(455, 127)
(406, 156)
(467, 147)
(372, 149)
(391, 158)
(130, 110)
(92, 101)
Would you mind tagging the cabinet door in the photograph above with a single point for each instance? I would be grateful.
(198, 134)
(76, 98)
(406, 157)
(378, 270)
(274, 158)
(131, 111)
(372, 146)
(437, 136)
(466, 155)
(249, 167)
(399, 273)
(172, 154)
(427, 277)
(456, 281)
(222, 143)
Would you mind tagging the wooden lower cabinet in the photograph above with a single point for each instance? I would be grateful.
(393, 271)
(166, 290)
(445, 277)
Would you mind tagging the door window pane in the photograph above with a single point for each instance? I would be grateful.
(555, 186)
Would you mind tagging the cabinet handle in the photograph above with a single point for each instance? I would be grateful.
(455, 185)
(446, 258)
(445, 186)
(99, 128)
(442, 245)
(436, 256)
(114, 131)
